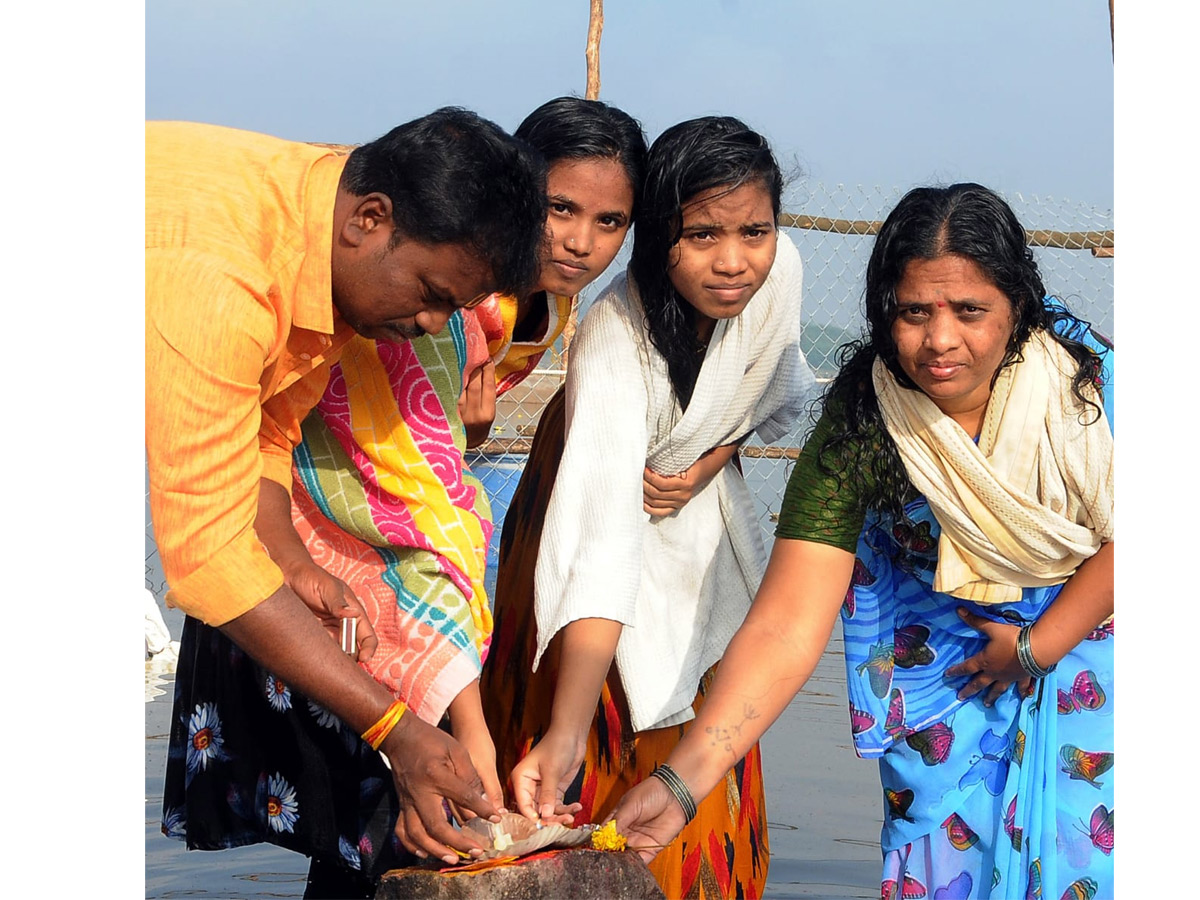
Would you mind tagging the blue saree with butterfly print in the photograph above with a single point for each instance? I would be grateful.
(1015, 800)
(1009, 801)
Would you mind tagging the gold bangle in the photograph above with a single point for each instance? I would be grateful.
(377, 733)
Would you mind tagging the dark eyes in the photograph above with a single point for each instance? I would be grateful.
(914, 313)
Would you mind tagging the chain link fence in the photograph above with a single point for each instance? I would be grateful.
(1072, 244)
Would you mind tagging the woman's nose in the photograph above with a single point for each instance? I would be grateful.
(579, 241)
(730, 258)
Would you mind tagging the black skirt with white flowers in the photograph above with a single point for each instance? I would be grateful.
(251, 760)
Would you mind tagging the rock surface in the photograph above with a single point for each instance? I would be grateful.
(579, 874)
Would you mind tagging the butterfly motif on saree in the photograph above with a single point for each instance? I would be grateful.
(861, 577)
(991, 766)
(959, 888)
(1101, 633)
(1010, 828)
(860, 721)
(911, 889)
(894, 723)
(959, 834)
(910, 647)
(1100, 829)
(933, 743)
(898, 803)
(878, 665)
(915, 537)
(1033, 887)
(1081, 889)
(1086, 693)
(1081, 765)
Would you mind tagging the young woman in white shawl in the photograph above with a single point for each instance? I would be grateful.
(959, 484)
(649, 551)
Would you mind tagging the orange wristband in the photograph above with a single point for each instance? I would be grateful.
(377, 733)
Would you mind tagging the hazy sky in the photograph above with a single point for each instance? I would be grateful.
(1017, 95)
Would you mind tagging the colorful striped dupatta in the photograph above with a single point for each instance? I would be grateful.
(384, 501)
(497, 320)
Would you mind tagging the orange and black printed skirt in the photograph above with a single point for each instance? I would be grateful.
(723, 852)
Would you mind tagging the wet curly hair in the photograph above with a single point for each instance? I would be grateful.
(966, 220)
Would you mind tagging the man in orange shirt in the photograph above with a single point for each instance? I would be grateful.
(263, 256)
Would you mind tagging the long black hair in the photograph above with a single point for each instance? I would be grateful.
(686, 160)
(574, 128)
(455, 177)
(966, 220)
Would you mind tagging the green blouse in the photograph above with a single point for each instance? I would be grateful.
(828, 509)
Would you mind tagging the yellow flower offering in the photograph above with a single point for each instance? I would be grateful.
(607, 837)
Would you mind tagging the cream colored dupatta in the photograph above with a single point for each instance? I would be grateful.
(1028, 503)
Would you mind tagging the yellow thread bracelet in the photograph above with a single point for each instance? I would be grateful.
(377, 733)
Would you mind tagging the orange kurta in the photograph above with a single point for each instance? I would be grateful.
(240, 332)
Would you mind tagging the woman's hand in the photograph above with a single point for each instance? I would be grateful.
(665, 494)
(541, 779)
(332, 602)
(649, 816)
(477, 404)
(479, 746)
(995, 668)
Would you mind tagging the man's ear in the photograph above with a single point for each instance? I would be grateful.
(370, 215)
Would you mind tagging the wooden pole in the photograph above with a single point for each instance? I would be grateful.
(592, 53)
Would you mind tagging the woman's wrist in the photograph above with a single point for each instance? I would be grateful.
(1028, 658)
(679, 790)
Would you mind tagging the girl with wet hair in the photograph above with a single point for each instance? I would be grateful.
(631, 549)
(596, 157)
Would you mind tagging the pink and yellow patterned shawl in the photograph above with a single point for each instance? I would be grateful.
(384, 501)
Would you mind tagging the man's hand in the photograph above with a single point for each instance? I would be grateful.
(477, 404)
(428, 766)
(332, 602)
(329, 598)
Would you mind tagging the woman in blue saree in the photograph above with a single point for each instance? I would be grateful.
(955, 504)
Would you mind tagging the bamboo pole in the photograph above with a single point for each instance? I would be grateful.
(1038, 237)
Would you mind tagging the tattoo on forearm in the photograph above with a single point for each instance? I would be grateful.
(724, 736)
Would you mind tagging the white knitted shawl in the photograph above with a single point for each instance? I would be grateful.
(680, 584)
(1032, 500)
